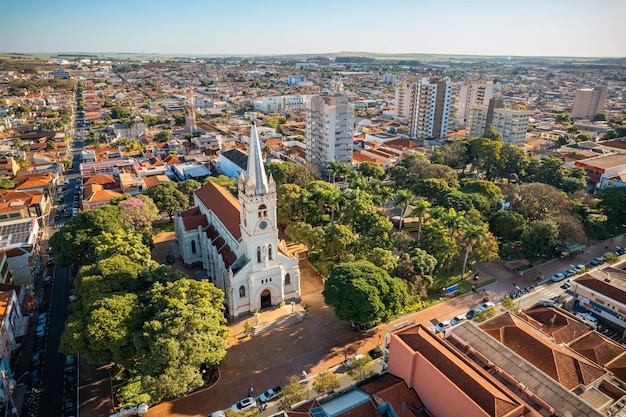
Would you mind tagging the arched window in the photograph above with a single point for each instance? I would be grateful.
(193, 246)
(258, 255)
(242, 291)
(269, 252)
(287, 279)
(262, 211)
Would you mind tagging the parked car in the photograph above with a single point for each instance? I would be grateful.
(597, 261)
(169, 257)
(570, 272)
(566, 284)
(457, 319)
(348, 363)
(557, 277)
(218, 413)
(50, 262)
(35, 359)
(487, 305)
(42, 318)
(47, 280)
(472, 313)
(375, 353)
(34, 377)
(270, 394)
(243, 405)
(441, 326)
(40, 331)
(70, 360)
(620, 251)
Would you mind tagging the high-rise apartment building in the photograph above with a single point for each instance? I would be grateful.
(511, 124)
(475, 92)
(430, 108)
(402, 101)
(329, 131)
(588, 102)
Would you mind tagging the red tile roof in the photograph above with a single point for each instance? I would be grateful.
(219, 200)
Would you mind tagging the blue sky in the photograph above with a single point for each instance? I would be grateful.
(254, 27)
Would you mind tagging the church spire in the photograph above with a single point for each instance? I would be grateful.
(256, 178)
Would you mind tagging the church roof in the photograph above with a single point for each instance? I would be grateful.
(255, 174)
(219, 200)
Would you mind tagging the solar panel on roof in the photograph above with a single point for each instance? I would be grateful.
(317, 412)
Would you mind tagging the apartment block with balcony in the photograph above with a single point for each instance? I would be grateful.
(476, 92)
(511, 124)
(429, 111)
(329, 131)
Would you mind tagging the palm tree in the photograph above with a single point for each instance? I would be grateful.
(420, 209)
(472, 234)
(403, 200)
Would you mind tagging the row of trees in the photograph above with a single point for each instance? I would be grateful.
(164, 329)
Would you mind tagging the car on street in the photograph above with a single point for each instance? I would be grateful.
(472, 313)
(557, 277)
(243, 405)
(566, 284)
(40, 331)
(218, 413)
(441, 326)
(34, 377)
(487, 305)
(47, 279)
(570, 272)
(375, 353)
(348, 363)
(270, 394)
(620, 251)
(597, 261)
(70, 360)
(457, 319)
(42, 318)
(169, 257)
(35, 359)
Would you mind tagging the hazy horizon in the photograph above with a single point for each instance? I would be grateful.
(533, 28)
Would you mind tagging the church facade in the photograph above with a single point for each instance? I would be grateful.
(236, 240)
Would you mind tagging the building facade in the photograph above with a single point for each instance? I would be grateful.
(511, 124)
(236, 241)
(429, 108)
(475, 92)
(588, 102)
(329, 131)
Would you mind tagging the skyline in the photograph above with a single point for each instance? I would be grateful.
(575, 28)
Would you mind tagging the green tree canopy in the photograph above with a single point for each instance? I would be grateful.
(168, 198)
(375, 297)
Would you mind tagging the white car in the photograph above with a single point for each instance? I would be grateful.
(487, 305)
(442, 325)
(457, 319)
(243, 405)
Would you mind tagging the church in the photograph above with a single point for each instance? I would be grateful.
(236, 240)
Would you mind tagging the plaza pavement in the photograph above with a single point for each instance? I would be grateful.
(322, 341)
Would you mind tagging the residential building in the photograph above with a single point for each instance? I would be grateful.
(588, 102)
(236, 241)
(511, 124)
(281, 104)
(429, 108)
(402, 99)
(475, 92)
(329, 131)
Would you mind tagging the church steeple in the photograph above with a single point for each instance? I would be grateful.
(255, 175)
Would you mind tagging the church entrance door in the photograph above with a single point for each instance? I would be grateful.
(266, 299)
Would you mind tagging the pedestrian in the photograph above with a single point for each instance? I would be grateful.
(336, 342)
(250, 391)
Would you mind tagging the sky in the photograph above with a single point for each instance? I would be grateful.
(576, 28)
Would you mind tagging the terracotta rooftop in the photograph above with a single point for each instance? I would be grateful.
(597, 348)
(609, 289)
(486, 395)
(219, 200)
(100, 179)
(95, 192)
(154, 180)
(553, 322)
(554, 360)
(394, 390)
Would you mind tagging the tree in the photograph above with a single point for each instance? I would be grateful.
(481, 316)
(508, 304)
(416, 267)
(180, 316)
(383, 258)
(420, 210)
(7, 184)
(613, 205)
(563, 118)
(189, 187)
(600, 117)
(168, 198)
(74, 242)
(119, 112)
(403, 199)
(371, 170)
(163, 136)
(359, 369)
(507, 225)
(138, 213)
(326, 381)
(472, 235)
(375, 297)
(292, 393)
(438, 242)
(537, 201)
(222, 180)
(122, 242)
(540, 238)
